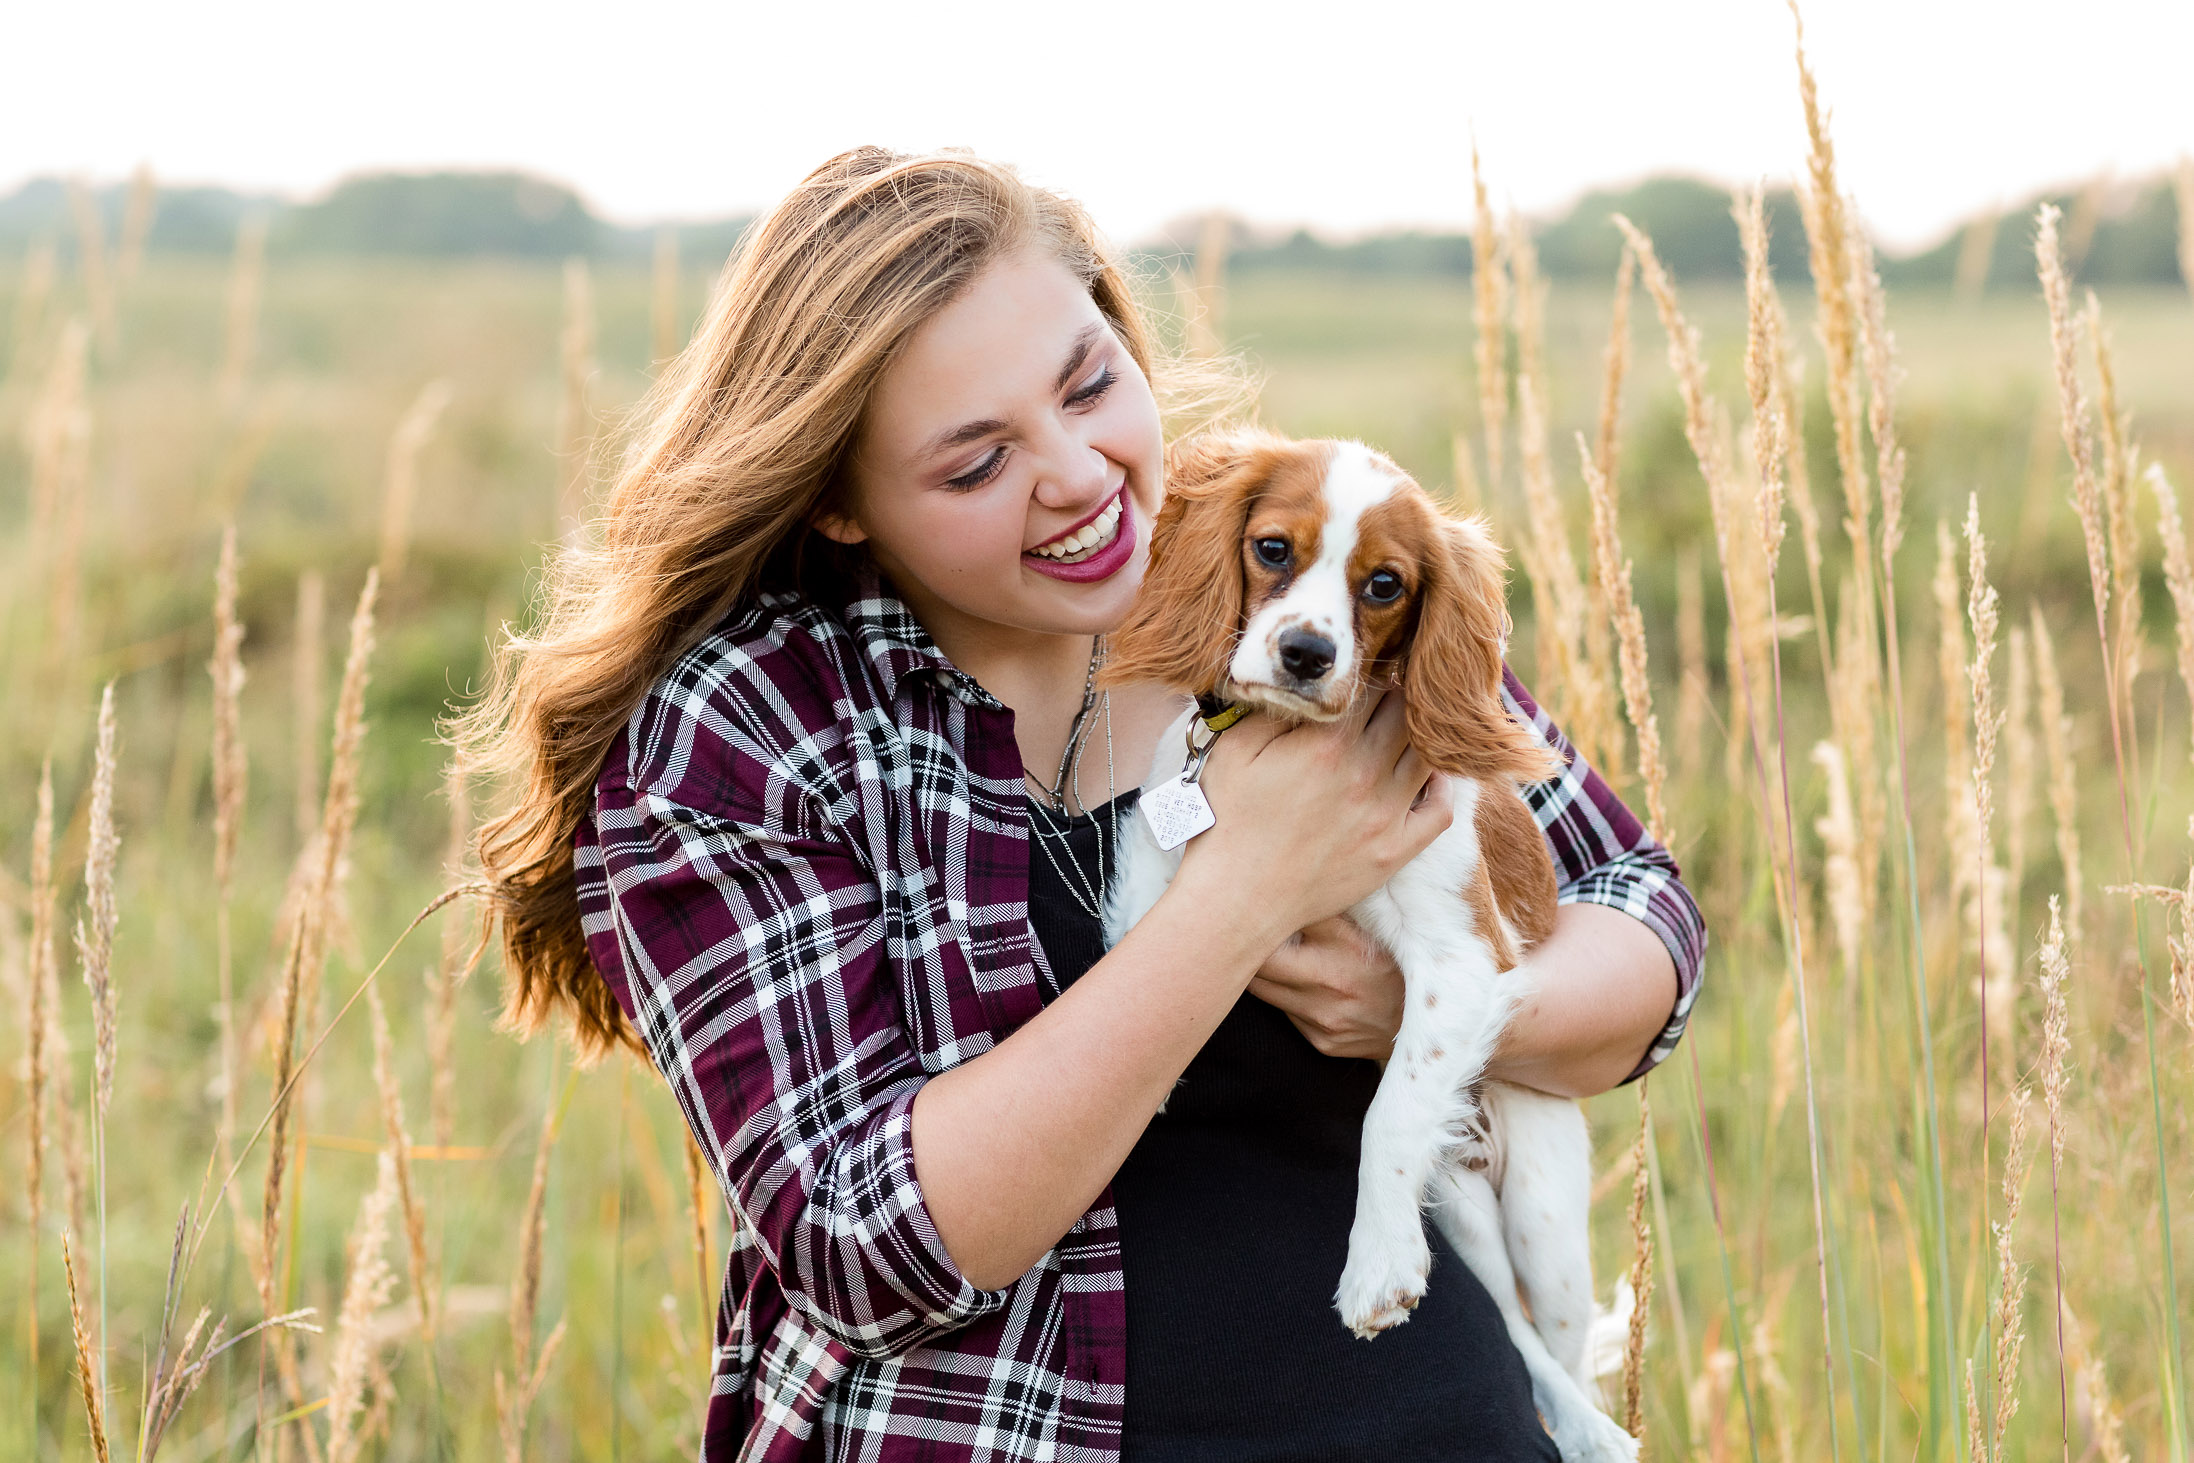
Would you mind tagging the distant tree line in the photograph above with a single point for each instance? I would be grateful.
(427, 215)
(2125, 233)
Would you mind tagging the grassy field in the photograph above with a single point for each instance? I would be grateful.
(182, 430)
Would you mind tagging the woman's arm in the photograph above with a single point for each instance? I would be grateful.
(1615, 979)
(1013, 1145)
(752, 944)
(1605, 987)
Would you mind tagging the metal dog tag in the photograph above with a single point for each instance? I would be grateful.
(1177, 810)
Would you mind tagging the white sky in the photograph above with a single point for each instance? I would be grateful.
(1347, 115)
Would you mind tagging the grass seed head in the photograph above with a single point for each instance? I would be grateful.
(396, 1138)
(2178, 573)
(1612, 571)
(1991, 933)
(2022, 760)
(2125, 537)
(1641, 1272)
(2056, 1029)
(2010, 1276)
(1763, 367)
(95, 928)
(1579, 679)
(42, 989)
(2064, 792)
(1839, 833)
(370, 1284)
(1614, 366)
(400, 484)
(1828, 244)
(240, 322)
(2182, 183)
(1960, 830)
(33, 292)
(574, 416)
(2073, 408)
(663, 296)
(87, 1350)
(1489, 295)
(1882, 376)
(230, 767)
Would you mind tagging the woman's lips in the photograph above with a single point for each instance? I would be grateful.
(1104, 563)
(1116, 499)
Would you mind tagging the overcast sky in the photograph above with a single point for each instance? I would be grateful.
(1346, 115)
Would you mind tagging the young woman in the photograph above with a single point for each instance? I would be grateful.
(784, 741)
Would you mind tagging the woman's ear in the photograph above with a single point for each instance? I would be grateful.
(1188, 612)
(838, 527)
(1451, 676)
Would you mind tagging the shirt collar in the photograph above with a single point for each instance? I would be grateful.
(897, 646)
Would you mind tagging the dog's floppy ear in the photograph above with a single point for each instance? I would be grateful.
(1182, 630)
(1451, 675)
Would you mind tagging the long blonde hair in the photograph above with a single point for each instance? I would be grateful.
(741, 442)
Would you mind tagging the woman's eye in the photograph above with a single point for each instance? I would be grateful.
(1384, 587)
(981, 473)
(1097, 386)
(1272, 551)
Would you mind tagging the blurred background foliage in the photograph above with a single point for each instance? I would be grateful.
(226, 384)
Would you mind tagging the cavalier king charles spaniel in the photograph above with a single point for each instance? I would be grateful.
(1293, 577)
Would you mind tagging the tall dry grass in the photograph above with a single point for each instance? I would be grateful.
(240, 325)
(574, 417)
(401, 485)
(1824, 1216)
(663, 297)
(1489, 293)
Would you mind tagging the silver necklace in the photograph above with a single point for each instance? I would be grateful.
(1088, 893)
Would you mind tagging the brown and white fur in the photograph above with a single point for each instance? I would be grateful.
(1505, 1171)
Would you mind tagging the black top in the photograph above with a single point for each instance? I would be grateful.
(1234, 1211)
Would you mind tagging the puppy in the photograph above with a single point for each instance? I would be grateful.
(1293, 578)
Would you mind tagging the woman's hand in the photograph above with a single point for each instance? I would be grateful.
(1342, 990)
(1311, 817)
(1014, 1144)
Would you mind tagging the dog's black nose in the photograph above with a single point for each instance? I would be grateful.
(1305, 655)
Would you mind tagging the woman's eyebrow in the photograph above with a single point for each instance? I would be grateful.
(967, 432)
(963, 434)
(1078, 353)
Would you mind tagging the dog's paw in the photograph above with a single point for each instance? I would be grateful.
(1594, 1437)
(1381, 1285)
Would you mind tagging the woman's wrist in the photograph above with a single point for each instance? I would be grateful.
(1242, 918)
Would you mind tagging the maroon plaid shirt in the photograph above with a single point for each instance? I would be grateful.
(806, 880)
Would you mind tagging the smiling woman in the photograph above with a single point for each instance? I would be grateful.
(1014, 425)
(775, 822)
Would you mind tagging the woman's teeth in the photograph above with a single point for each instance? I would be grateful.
(1091, 536)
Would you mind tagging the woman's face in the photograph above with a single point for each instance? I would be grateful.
(1010, 463)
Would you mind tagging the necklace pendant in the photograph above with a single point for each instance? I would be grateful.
(1176, 811)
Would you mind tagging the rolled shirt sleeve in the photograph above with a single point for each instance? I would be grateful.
(757, 961)
(1604, 855)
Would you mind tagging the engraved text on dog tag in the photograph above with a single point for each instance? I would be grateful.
(1177, 811)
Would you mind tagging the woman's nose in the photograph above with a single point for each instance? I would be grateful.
(1072, 473)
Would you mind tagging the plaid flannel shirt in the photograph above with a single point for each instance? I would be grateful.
(806, 881)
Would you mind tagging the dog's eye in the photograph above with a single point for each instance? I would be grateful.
(1273, 552)
(1384, 587)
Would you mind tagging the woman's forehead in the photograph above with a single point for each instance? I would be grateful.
(996, 349)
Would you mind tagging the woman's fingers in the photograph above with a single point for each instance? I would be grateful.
(1305, 960)
(1410, 770)
(1433, 812)
(1386, 731)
